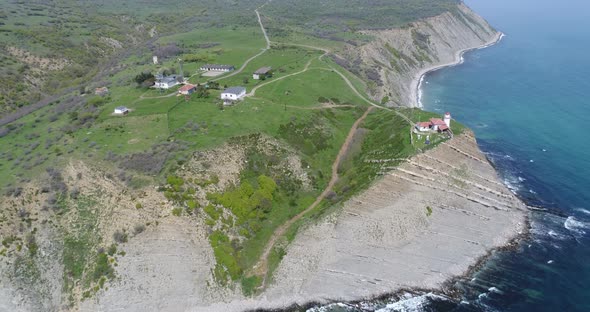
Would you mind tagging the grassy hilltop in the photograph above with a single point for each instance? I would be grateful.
(280, 143)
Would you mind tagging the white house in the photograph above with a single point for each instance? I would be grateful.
(166, 82)
(233, 94)
(261, 72)
(121, 110)
(423, 126)
(217, 67)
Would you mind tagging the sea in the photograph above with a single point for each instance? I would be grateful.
(528, 101)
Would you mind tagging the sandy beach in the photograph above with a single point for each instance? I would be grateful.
(419, 78)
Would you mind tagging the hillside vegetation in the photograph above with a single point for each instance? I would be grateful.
(337, 20)
(81, 185)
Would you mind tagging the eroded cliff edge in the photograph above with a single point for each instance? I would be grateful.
(420, 225)
(394, 60)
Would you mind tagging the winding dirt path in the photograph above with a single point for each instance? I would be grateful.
(306, 68)
(261, 267)
(241, 69)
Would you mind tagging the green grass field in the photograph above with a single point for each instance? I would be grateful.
(307, 89)
(291, 108)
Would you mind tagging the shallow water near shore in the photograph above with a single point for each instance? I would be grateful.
(526, 101)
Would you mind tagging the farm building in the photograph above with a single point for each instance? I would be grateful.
(217, 67)
(121, 110)
(101, 91)
(233, 94)
(166, 82)
(187, 89)
(262, 72)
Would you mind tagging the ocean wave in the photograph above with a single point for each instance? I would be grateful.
(495, 290)
(418, 303)
(575, 226)
(584, 211)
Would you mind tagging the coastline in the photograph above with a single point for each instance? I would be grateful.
(447, 289)
(416, 85)
(427, 257)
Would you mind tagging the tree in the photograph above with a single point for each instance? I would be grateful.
(145, 79)
(246, 80)
(202, 93)
(169, 71)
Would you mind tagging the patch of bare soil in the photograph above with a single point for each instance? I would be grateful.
(42, 63)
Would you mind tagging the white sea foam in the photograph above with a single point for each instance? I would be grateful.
(550, 262)
(582, 210)
(575, 226)
(521, 179)
(411, 304)
(482, 296)
(495, 290)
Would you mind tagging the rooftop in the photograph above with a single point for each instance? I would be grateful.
(220, 66)
(437, 121)
(235, 90)
(186, 87)
(263, 70)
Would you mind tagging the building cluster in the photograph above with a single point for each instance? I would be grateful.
(229, 95)
(435, 124)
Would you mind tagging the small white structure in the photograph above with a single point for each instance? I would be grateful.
(121, 110)
(166, 82)
(233, 94)
(447, 119)
(217, 67)
(262, 72)
(155, 59)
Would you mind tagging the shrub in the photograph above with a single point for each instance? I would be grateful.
(120, 236)
(212, 211)
(112, 250)
(428, 211)
(138, 229)
(103, 267)
(177, 211)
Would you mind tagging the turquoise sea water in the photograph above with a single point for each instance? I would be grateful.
(528, 101)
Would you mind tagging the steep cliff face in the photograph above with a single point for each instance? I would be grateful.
(393, 62)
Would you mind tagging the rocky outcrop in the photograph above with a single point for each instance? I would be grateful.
(393, 62)
(423, 223)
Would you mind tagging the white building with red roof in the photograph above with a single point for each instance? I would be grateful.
(187, 89)
(435, 124)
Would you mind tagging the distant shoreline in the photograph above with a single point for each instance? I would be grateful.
(416, 86)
